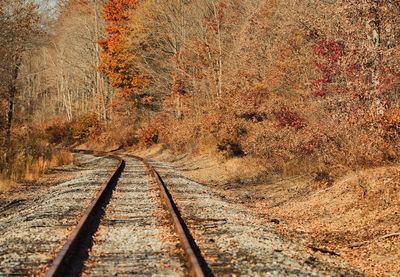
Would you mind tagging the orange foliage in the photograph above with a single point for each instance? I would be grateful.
(117, 62)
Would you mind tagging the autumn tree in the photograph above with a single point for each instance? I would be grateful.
(117, 62)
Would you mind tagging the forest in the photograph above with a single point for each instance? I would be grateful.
(297, 86)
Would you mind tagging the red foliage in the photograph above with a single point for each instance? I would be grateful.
(311, 145)
(288, 118)
(95, 129)
(388, 78)
(328, 64)
(177, 84)
(218, 17)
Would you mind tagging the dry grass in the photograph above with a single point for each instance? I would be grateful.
(61, 157)
(6, 185)
(207, 146)
(40, 166)
(115, 134)
(206, 164)
(34, 170)
(30, 170)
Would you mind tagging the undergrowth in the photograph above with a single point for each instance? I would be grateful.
(28, 157)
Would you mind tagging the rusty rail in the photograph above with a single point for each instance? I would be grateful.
(196, 263)
(59, 263)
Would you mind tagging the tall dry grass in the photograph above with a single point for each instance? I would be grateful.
(35, 169)
(29, 169)
(6, 184)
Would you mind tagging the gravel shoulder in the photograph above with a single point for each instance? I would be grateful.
(350, 215)
(236, 241)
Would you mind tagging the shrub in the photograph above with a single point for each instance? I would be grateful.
(286, 117)
(118, 133)
(148, 136)
(61, 157)
(390, 124)
(230, 149)
(86, 126)
(28, 155)
(59, 133)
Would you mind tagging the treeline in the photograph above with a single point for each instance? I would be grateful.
(296, 85)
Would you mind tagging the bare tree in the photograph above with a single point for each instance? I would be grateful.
(21, 30)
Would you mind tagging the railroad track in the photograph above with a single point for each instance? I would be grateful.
(90, 249)
(126, 229)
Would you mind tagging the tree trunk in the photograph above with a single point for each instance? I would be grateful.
(219, 91)
(11, 102)
(219, 60)
(178, 106)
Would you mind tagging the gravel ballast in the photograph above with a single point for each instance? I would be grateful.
(34, 227)
(135, 236)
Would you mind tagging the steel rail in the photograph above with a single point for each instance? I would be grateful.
(58, 264)
(195, 265)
